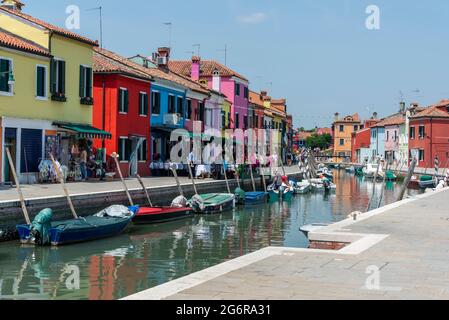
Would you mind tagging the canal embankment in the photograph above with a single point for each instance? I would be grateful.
(88, 195)
(399, 251)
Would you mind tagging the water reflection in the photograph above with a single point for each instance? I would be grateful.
(147, 256)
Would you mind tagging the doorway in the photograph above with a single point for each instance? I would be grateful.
(11, 143)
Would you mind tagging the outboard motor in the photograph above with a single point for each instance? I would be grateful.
(40, 228)
(239, 195)
(197, 203)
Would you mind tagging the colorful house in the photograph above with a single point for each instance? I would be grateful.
(46, 103)
(221, 79)
(342, 131)
(361, 141)
(377, 142)
(122, 95)
(429, 135)
(392, 133)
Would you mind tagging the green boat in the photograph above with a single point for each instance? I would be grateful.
(390, 176)
(210, 203)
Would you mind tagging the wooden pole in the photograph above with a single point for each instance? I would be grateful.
(383, 184)
(144, 189)
(64, 188)
(19, 189)
(115, 156)
(407, 179)
(175, 174)
(237, 177)
(374, 184)
(252, 177)
(191, 178)
(263, 177)
(226, 179)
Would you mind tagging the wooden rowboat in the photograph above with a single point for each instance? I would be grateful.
(153, 215)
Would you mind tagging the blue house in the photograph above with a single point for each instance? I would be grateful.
(377, 145)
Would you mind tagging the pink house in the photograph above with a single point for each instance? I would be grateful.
(221, 79)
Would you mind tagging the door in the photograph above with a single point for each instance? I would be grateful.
(11, 143)
(135, 144)
(31, 150)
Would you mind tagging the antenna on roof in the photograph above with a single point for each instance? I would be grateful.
(100, 8)
(199, 48)
(169, 24)
(225, 50)
(191, 53)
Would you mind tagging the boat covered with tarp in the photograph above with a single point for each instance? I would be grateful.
(212, 202)
(106, 223)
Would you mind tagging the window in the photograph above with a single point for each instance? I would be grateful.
(142, 151)
(237, 122)
(229, 119)
(223, 119)
(41, 81)
(171, 104)
(180, 106)
(155, 102)
(85, 84)
(245, 92)
(6, 68)
(256, 122)
(124, 148)
(189, 109)
(388, 135)
(412, 132)
(57, 80)
(422, 132)
(342, 128)
(356, 128)
(245, 122)
(421, 155)
(143, 104)
(342, 142)
(123, 100)
(237, 89)
(200, 112)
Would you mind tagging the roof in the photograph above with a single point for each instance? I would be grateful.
(53, 28)
(103, 63)
(304, 135)
(390, 121)
(431, 112)
(349, 119)
(324, 131)
(14, 42)
(207, 68)
(155, 72)
(256, 98)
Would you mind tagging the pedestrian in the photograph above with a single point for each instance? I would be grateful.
(83, 164)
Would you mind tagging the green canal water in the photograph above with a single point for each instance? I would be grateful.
(147, 256)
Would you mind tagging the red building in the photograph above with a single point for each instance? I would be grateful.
(361, 141)
(121, 95)
(429, 135)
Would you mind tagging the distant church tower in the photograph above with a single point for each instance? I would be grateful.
(13, 5)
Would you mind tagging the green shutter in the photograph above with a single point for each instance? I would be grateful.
(53, 67)
(128, 149)
(62, 77)
(146, 104)
(126, 101)
(4, 68)
(89, 82)
(82, 82)
(40, 82)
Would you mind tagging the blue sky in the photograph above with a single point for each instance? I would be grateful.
(316, 53)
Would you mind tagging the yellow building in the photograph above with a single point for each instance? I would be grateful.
(46, 85)
(226, 115)
(343, 129)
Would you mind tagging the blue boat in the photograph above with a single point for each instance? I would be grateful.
(79, 230)
(256, 197)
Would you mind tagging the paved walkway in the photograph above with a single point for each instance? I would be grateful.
(83, 188)
(400, 251)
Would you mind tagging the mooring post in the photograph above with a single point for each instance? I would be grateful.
(407, 180)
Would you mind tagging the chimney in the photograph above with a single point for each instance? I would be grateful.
(14, 5)
(196, 67)
(375, 116)
(402, 107)
(216, 80)
(263, 93)
(163, 56)
(336, 116)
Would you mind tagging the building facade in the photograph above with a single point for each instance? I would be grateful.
(342, 132)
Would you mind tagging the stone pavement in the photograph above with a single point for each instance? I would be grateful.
(400, 251)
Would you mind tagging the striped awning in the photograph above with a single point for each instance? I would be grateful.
(86, 131)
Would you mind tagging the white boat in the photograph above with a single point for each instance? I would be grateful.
(370, 171)
(302, 187)
(318, 187)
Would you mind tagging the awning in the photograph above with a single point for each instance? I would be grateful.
(86, 131)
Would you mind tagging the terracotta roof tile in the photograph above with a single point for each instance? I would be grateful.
(349, 119)
(184, 67)
(14, 42)
(432, 112)
(256, 98)
(390, 121)
(55, 29)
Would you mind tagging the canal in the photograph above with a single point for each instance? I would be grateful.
(147, 256)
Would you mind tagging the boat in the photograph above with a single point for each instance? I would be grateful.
(153, 215)
(318, 187)
(370, 171)
(255, 197)
(302, 187)
(212, 202)
(107, 223)
(273, 195)
(427, 182)
(390, 176)
(350, 169)
(287, 194)
(312, 228)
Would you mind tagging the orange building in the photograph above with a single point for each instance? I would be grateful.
(342, 132)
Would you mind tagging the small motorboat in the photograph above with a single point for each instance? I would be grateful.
(312, 228)
(390, 176)
(107, 223)
(318, 187)
(427, 182)
(287, 194)
(153, 215)
(256, 197)
(212, 202)
(273, 195)
(370, 171)
(350, 169)
(302, 187)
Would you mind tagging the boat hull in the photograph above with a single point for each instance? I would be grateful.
(273, 196)
(287, 196)
(255, 198)
(217, 203)
(154, 215)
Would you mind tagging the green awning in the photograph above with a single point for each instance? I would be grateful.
(86, 131)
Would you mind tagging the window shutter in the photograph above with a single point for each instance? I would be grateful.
(126, 101)
(145, 104)
(62, 76)
(89, 82)
(53, 68)
(82, 82)
(39, 82)
(119, 100)
(4, 68)
(128, 147)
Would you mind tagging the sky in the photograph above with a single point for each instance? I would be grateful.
(318, 54)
